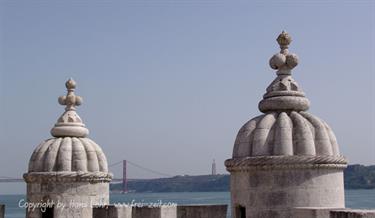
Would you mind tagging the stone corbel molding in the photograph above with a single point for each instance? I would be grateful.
(285, 162)
(92, 177)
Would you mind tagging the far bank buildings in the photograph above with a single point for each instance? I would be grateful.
(285, 163)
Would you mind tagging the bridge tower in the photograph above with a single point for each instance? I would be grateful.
(213, 168)
(124, 177)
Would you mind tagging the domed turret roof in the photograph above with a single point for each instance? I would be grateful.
(66, 154)
(285, 128)
(70, 152)
(285, 133)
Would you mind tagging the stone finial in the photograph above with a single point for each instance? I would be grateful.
(284, 94)
(284, 40)
(70, 100)
(284, 61)
(70, 124)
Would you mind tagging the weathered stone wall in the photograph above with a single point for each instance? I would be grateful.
(182, 211)
(112, 211)
(350, 213)
(272, 193)
(312, 212)
(316, 212)
(202, 211)
(77, 197)
(154, 212)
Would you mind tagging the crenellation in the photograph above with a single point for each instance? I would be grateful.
(340, 213)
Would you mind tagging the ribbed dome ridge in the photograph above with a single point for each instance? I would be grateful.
(285, 133)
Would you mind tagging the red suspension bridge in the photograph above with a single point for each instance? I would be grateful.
(124, 179)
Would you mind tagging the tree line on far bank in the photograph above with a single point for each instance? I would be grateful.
(355, 177)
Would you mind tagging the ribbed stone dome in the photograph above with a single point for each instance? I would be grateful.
(68, 154)
(285, 133)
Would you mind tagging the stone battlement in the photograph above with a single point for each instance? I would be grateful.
(180, 211)
(212, 211)
(321, 212)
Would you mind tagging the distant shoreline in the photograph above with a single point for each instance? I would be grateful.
(355, 177)
(116, 193)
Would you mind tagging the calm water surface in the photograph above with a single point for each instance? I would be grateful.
(364, 199)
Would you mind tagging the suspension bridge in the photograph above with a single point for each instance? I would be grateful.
(124, 180)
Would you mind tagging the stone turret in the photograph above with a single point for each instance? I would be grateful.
(285, 157)
(68, 170)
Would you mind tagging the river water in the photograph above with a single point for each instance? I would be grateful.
(364, 199)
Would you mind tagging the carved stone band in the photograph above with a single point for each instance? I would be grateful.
(285, 162)
(38, 177)
(284, 103)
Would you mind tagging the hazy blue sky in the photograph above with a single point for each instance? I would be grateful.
(167, 84)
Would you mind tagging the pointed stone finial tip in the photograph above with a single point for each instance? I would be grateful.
(70, 84)
(70, 99)
(284, 39)
(284, 61)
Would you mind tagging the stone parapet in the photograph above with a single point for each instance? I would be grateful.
(112, 211)
(325, 212)
(202, 211)
(181, 211)
(313, 212)
(154, 212)
(352, 213)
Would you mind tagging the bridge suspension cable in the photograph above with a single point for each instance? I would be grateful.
(115, 164)
(7, 177)
(141, 167)
(155, 172)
